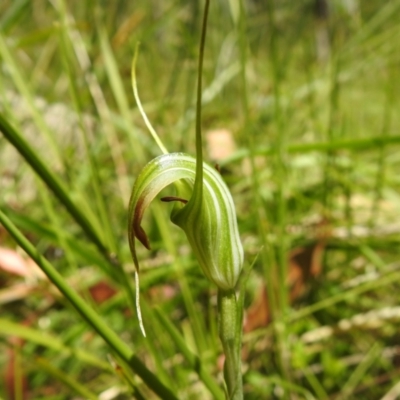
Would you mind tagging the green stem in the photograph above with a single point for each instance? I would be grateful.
(199, 145)
(230, 326)
(88, 314)
(52, 182)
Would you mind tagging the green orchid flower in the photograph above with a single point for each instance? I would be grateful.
(208, 218)
(204, 209)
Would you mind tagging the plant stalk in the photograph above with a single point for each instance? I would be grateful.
(230, 333)
(199, 141)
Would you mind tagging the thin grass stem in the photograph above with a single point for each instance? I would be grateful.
(139, 103)
(88, 314)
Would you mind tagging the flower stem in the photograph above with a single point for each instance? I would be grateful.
(199, 143)
(230, 325)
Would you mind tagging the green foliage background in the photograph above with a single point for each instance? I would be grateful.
(311, 100)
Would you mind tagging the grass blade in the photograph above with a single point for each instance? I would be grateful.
(51, 180)
(191, 358)
(88, 314)
(8, 328)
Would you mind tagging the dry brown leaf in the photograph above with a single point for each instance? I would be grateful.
(16, 292)
(15, 377)
(220, 144)
(101, 292)
(13, 263)
(305, 264)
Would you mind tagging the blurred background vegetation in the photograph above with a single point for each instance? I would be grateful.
(301, 105)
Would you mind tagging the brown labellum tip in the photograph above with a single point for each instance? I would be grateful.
(168, 199)
(142, 237)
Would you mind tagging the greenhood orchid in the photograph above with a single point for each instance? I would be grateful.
(204, 207)
(205, 211)
(208, 218)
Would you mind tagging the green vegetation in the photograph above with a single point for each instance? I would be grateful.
(308, 100)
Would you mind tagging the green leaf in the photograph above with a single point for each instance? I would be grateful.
(8, 328)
